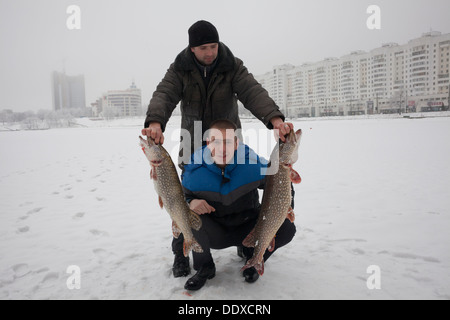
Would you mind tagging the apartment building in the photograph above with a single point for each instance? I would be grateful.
(393, 78)
(119, 103)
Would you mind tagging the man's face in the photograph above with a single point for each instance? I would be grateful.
(222, 143)
(207, 53)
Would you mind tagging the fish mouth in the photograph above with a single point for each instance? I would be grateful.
(156, 163)
(287, 165)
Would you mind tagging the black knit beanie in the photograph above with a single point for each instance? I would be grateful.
(202, 32)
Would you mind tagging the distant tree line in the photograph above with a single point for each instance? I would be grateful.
(40, 120)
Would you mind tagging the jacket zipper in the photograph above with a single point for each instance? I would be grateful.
(224, 180)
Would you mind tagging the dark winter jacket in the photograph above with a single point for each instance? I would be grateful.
(229, 81)
(232, 191)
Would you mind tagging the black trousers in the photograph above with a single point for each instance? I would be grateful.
(214, 235)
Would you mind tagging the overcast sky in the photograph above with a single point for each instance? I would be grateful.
(122, 40)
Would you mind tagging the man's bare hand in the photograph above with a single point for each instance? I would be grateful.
(154, 131)
(281, 129)
(201, 207)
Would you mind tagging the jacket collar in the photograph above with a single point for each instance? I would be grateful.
(225, 61)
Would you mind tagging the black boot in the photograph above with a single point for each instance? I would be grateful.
(250, 275)
(181, 266)
(240, 251)
(206, 272)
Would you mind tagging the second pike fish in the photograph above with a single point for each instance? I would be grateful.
(276, 203)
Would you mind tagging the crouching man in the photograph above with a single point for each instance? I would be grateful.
(221, 185)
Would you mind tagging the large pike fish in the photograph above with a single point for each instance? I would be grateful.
(276, 203)
(170, 194)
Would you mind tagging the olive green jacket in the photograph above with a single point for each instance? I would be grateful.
(230, 81)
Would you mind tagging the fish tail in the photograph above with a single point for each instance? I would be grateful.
(192, 245)
(255, 263)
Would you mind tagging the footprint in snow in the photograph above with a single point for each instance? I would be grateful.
(101, 254)
(35, 210)
(405, 255)
(100, 233)
(25, 204)
(50, 277)
(23, 229)
(358, 251)
(29, 213)
(20, 270)
(78, 215)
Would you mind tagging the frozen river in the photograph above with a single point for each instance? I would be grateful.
(375, 192)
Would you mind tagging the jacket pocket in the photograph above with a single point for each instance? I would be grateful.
(223, 91)
(192, 101)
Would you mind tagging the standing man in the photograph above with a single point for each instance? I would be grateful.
(208, 80)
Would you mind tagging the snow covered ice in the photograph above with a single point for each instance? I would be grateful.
(374, 192)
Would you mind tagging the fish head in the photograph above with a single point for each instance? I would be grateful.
(289, 150)
(152, 151)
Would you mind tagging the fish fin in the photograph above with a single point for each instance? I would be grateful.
(175, 230)
(197, 247)
(259, 266)
(153, 175)
(291, 215)
(271, 246)
(194, 219)
(250, 241)
(191, 245)
(295, 177)
(161, 204)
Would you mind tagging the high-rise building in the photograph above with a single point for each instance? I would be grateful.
(68, 91)
(392, 78)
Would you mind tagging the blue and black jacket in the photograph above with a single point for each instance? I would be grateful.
(232, 191)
